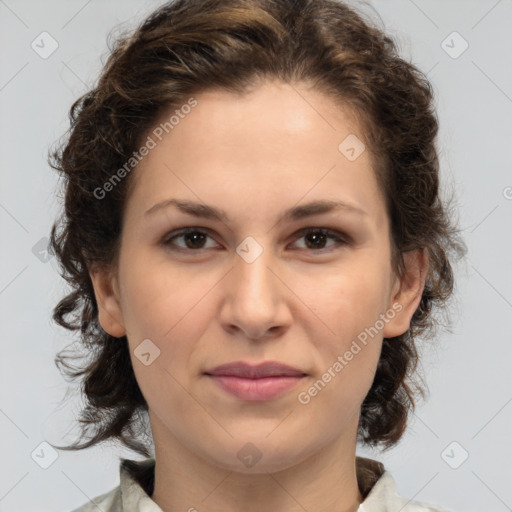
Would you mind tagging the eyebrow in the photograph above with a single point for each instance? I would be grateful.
(295, 213)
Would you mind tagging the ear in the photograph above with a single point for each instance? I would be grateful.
(407, 292)
(106, 291)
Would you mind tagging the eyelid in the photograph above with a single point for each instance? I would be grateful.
(341, 238)
(338, 236)
(184, 231)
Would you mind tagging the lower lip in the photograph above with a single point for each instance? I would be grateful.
(265, 388)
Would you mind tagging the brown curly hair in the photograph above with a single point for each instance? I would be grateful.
(189, 46)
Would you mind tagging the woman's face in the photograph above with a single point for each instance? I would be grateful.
(248, 284)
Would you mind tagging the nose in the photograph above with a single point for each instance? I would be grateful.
(255, 299)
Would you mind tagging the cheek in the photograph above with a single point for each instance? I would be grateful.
(172, 308)
(159, 297)
(350, 302)
(350, 307)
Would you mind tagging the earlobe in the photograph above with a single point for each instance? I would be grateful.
(106, 292)
(407, 292)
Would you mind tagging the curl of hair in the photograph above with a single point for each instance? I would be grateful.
(189, 46)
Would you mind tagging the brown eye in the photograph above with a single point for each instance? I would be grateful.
(193, 238)
(316, 239)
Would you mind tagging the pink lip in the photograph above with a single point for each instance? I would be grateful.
(265, 388)
(255, 382)
(251, 371)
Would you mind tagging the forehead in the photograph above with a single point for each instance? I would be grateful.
(268, 147)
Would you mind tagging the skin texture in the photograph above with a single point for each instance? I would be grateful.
(255, 156)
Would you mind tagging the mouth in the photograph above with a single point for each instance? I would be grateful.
(249, 371)
(255, 382)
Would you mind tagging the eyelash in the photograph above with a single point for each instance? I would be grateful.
(333, 235)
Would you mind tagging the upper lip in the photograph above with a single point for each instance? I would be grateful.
(250, 371)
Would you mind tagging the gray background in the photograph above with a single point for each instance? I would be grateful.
(469, 370)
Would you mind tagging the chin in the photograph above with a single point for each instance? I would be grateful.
(258, 455)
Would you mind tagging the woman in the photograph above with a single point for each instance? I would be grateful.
(255, 239)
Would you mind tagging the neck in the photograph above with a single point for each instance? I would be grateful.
(325, 481)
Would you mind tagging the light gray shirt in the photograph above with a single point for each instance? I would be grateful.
(137, 480)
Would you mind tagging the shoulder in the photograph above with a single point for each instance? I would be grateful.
(380, 492)
(136, 480)
(384, 497)
(106, 502)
